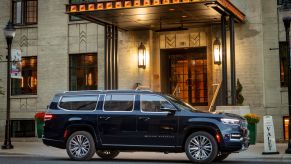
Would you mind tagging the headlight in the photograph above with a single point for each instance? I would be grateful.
(230, 121)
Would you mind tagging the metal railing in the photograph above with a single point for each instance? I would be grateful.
(176, 90)
(212, 104)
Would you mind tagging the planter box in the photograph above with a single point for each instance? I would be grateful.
(39, 128)
(239, 110)
(252, 133)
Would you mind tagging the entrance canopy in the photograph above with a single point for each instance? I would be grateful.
(156, 15)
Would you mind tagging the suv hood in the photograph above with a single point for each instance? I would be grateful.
(231, 115)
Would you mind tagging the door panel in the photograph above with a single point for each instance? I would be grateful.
(188, 73)
(117, 128)
(156, 128)
(117, 122)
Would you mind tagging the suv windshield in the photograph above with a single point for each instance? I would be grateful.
(181, 104)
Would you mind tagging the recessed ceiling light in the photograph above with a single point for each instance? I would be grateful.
(171, 9)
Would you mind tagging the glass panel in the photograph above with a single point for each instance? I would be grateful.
(286, 127)
(22, 128)
(119, 102)
(17, 15)
(83, 72)
(153, 103)
(31, 12)
(28, 83)
(79, 103)
(283, 63)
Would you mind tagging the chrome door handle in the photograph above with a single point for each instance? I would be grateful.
(104, 118)
(144, 118)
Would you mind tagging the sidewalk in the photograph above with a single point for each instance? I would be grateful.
(38, 149)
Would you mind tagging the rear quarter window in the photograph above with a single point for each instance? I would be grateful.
(79, 103)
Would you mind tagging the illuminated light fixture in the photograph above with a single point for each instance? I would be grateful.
(127, 4)
(82, 8)
(217, 51)
(184, 16)
(136, 3)
(141, 56)
(146, 2)
(176, 1)
(73, 8)
(91, 7)
(100, 6)
(156, 2)
(185, 1)
(109, 5)
(118, 5)
(171, 9)
(166, 1)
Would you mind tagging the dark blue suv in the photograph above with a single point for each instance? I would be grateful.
(107, 122)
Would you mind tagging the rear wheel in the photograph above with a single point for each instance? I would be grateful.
(221, 156)
(201, 147)
(107, 154)
(80, 146)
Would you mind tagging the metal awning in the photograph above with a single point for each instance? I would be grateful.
(155, 14)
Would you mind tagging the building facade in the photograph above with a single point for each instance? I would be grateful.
(62, 52)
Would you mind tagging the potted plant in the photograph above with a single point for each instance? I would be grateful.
(39, 119)
(252, 120)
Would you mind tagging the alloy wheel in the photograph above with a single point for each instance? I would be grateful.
(79, 146)
(200, 147)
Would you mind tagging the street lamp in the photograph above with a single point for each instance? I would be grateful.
(286, 19)
(9, 32)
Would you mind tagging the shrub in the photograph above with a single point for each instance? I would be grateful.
(252, 118)
(39, 116)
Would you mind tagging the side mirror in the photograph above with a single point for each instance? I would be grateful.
(171, 110)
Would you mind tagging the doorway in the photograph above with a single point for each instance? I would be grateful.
(185, 73)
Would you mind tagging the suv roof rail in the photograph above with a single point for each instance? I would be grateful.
(83, 91)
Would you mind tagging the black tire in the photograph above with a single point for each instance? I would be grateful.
(78, 143)
(221, 156)
(199, 152)
(107, 154)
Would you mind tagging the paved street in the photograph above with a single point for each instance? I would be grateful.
(37, 153)
(59, 160)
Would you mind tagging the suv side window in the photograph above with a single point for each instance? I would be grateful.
(119, 102)
(154, 103)
(78, 102)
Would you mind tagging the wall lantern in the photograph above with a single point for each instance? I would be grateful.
(141, 56)
(217, 51)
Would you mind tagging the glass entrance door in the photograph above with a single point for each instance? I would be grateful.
(188, 75)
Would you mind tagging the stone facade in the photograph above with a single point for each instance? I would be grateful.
(55, 37)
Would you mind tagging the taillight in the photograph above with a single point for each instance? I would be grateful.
(48, 117)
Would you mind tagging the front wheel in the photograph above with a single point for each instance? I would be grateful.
(201, 147)
(80, 146)
(107, 154)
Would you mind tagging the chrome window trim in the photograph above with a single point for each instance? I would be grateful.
(58, 105)
(153, 112)
(104, 100)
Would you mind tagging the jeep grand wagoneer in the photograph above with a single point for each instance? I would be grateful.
(109, 122)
